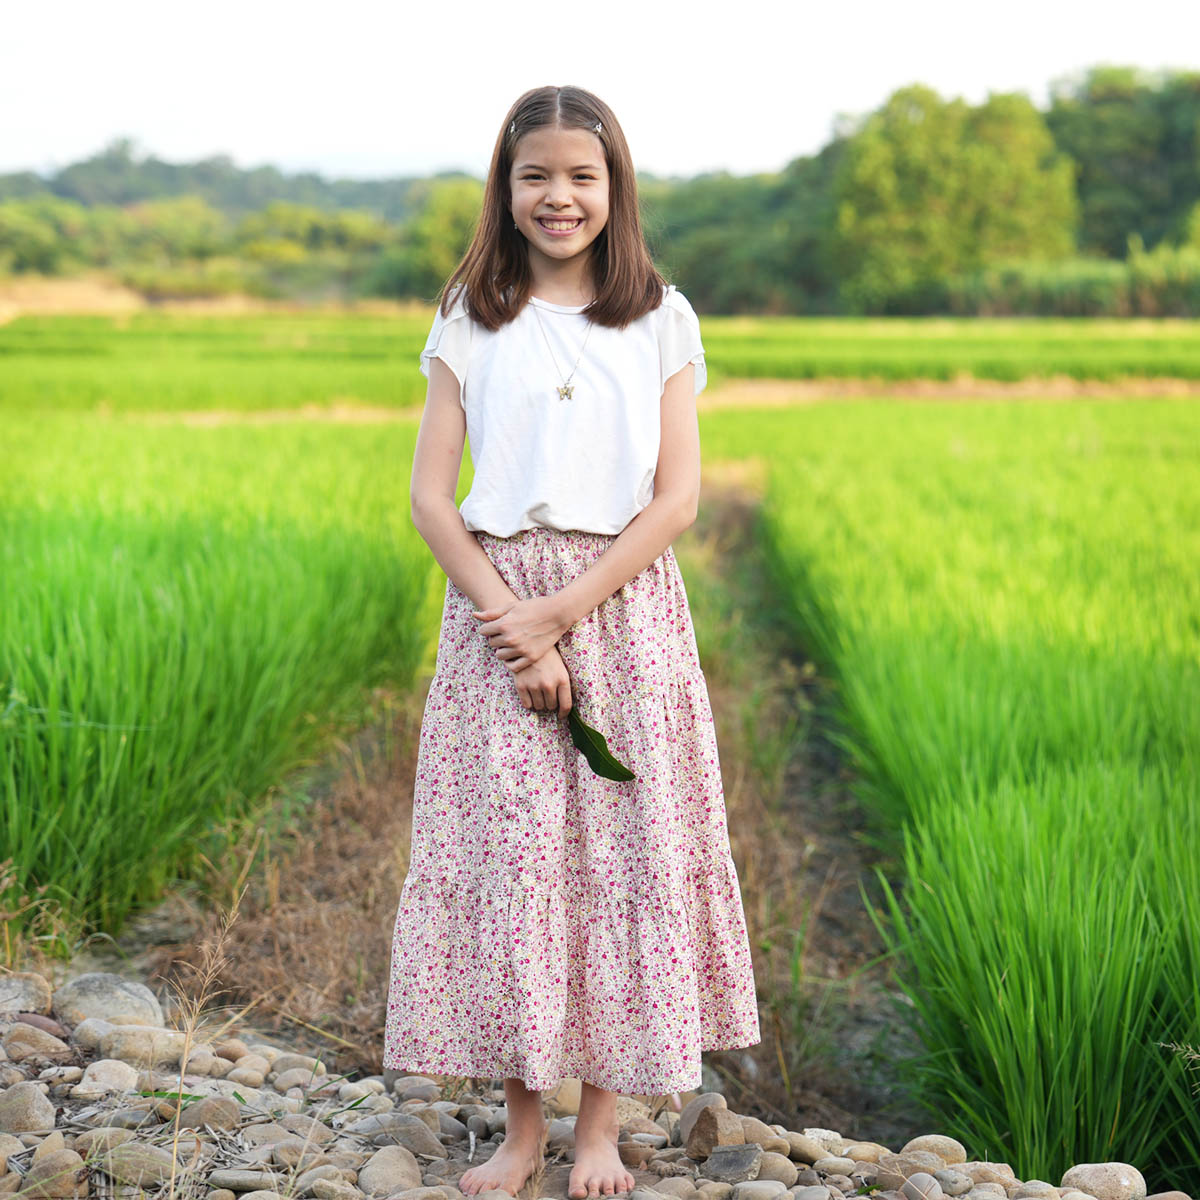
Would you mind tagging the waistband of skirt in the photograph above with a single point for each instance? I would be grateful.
(544, 533)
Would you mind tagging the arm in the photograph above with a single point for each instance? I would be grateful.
(437, 459)
(531, 626)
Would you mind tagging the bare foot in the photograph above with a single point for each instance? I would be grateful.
(598, 1169)
(507, 1169)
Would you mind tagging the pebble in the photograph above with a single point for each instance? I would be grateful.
(264, 1121)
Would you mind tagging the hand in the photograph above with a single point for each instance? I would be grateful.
(522, 633)
(545, 685)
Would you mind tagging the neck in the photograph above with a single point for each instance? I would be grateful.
(568, 283)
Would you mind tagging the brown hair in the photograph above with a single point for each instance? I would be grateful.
(495, 269)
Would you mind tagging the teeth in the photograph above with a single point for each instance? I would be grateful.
(560, 224)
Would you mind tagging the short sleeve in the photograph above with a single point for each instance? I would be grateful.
(450, 340)
(679, 339)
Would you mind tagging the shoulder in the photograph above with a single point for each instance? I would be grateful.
(456, 305)
(674, 301)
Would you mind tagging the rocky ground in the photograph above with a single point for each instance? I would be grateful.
(110, 1091)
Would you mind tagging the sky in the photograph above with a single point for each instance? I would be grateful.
(371, 90)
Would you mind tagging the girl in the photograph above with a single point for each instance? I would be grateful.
(554, 923)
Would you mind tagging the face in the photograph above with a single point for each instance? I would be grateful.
(559, 188)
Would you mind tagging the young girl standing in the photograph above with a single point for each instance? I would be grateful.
(554, 923)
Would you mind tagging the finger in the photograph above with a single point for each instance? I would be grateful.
(564, 698)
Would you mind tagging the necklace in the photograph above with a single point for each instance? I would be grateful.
(567, 390)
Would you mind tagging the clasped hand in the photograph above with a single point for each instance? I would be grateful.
(523, 637)
(522, 633)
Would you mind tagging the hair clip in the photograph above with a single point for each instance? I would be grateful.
(598, 127)
(512, 128)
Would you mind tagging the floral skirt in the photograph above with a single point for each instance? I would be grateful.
(555, 924)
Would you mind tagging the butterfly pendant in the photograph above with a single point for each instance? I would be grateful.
(565, 392)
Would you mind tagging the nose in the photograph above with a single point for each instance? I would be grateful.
(559, 193)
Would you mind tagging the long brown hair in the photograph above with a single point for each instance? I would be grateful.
(495, 269)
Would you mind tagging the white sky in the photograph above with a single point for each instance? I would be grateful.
(381, 89)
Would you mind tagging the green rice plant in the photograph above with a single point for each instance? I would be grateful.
(188, 614)
(1007, 597)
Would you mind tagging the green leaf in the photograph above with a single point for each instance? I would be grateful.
(592, 745)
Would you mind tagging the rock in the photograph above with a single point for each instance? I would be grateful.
(139, 1163)
(564, 1100)
(1107, 1181)
(776, 1166)
(143, 1045)
(389, 1170)
(217, 1112)
(758, 1189)
(634, 1155)
(23, 1042)
(811, 1193)
(104, 1137)
(1164, 1196)
(805, 1149)
(241, 1180)
(954, 1183)
(312, 1067)
(946, 1148)
(988, 1189)
(733, 1164)
(921, 1186)
(714, 1126)
(675, 1186)
(710, 1189)
(1035, 1188)
(100, 994)
(828, 1138)
(839, 1183)
(834, 1165)
(865, 1152)
(757, 1131)
(693, 1108)
(58, 1174)
(24, 992)
(106, 1075)
(316, 1132)
(987, 1172)
(24, 1108)
(87, 1034)
(402, 1129)
(337, 1189)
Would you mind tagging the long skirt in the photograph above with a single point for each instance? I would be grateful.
(554, 923)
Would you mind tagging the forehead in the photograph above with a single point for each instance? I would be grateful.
(554, 147)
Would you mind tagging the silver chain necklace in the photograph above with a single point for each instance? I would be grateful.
(566, 391)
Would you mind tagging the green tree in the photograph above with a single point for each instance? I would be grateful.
(927, 188)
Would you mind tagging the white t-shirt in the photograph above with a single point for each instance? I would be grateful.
(584, 463)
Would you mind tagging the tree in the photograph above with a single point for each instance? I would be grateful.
(927, 188)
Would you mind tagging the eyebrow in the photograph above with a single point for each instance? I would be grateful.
(539, 167)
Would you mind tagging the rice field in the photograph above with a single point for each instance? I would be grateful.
(167, 362)
(1008, 597)
(1004, 595)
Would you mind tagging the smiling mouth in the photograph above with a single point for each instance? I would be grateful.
(559, 224)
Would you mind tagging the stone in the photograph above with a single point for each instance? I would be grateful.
(143, 1045)
(335, 1189)
(828, 1138)
(1165, 1196)
(402, 1129)
(675, 1186)
(714, 1126)
(104, 1076)
(56, 1175)
(389, 1170)
(710, 1189)
(988, 1189)
(101, 994)
(298, 1062)
(304, 1126)
(24, 1108)
(946, 1148)
(23, 1042)
(921, 1186)
(834, 1165)
(139, 1163)
(238, 1179)
(776, 1166)
(103, 1137)
(865, 1151)
(1034, 1188)
(217, 1112)
(758, 1189)
(987, 1172)
(811, 1193)
(733, 1164)
(954, 1183)
(761, 1133)
(693, 1108)
(1106, 1181)
(24, 992)
(805, 1149)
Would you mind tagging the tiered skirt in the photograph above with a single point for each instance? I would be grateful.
(553, 923)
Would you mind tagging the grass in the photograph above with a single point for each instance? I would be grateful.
(1007, 597)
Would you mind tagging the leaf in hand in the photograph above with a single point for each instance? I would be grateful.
(592, 745)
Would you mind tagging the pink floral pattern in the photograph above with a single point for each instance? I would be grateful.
(554, 924)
